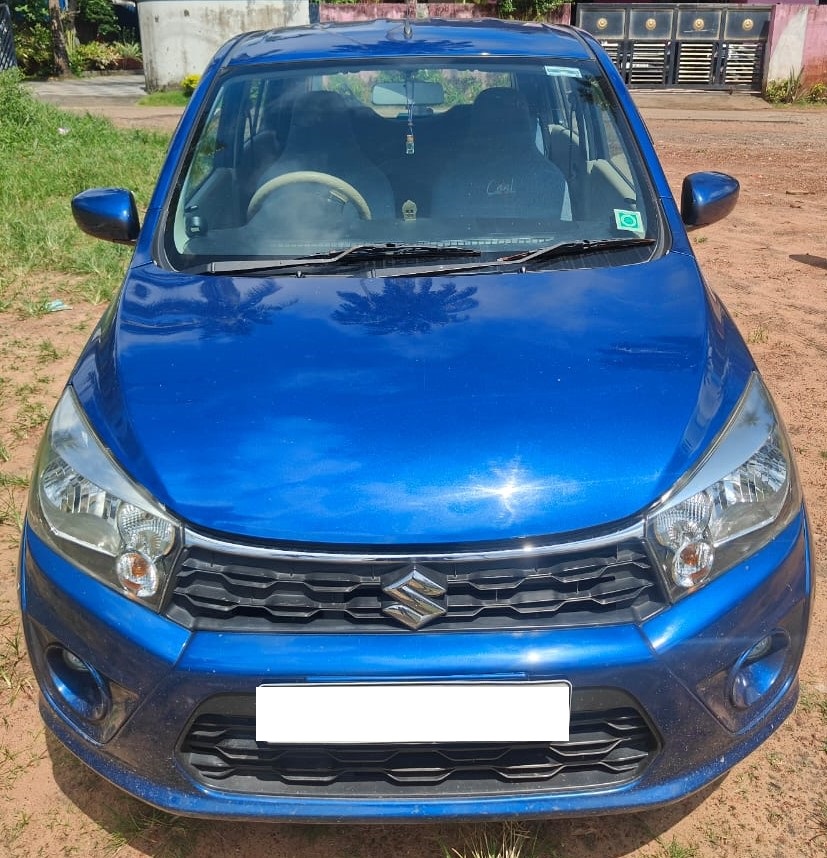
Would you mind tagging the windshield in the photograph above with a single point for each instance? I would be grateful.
(495, 159)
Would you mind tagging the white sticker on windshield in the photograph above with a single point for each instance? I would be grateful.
(629, 221)
(563, 71)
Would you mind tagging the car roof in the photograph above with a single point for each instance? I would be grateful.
(388, 39)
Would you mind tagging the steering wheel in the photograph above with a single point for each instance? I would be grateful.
(339, 188)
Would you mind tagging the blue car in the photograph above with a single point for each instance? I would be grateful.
(414, 472)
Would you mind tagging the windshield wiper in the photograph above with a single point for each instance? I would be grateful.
(528, 259)
(354, 255)
(573, 248)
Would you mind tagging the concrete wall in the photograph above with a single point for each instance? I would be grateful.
(179, 37)
(798, 43)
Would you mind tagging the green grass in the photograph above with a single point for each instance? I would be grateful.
(138, 825)
(498, 840)
(167, 98)
(674, 849)
(14, 676)
(48, 157)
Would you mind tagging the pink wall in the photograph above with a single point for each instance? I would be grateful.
(815, 46)
(369, 11)
(798, 42)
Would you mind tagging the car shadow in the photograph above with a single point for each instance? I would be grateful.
(125, 821)
(807, 259)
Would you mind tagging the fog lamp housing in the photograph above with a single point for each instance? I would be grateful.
(758, 671)
(78, 686)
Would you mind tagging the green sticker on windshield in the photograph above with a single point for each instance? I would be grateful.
(629, 221)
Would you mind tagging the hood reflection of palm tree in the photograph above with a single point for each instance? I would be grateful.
(237, 313)
(402, 307)
(221, 308)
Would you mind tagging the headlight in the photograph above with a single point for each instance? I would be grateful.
(83, 505)
(744, 493)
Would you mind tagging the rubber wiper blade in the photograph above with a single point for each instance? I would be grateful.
(527, 259)
(355, 254)
(574, 248)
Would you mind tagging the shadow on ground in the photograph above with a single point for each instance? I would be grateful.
(807, 259)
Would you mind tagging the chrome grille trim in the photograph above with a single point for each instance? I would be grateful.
(198, 540)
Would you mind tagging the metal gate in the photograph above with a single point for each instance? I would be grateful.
(682, 45)
(8, 58)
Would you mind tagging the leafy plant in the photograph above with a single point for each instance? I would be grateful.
(791, 90)
(99, 17)
(817, 94)
(93, 56)
(529, 10)
(128, 50)
(189, 83)
(30, 12)
(33, 47)
(786, 91)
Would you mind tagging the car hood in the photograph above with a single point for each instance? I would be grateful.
(410, 411)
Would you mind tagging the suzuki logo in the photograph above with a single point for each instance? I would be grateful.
(414, 592)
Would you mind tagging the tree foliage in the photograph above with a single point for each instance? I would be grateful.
(529, 10)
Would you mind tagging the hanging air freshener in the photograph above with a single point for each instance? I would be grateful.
(409, 137)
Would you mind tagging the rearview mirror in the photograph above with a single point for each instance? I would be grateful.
(421, 92)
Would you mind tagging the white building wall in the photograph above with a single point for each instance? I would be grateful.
(179, 37)
(787, 53)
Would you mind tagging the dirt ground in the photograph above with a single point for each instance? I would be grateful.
(768, 261)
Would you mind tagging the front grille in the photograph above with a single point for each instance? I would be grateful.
(607, 747)
(221, 591)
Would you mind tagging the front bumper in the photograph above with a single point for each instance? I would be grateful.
(663, 689)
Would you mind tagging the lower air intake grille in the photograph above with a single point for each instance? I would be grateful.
(607, 748)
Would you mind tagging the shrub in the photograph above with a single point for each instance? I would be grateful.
(33, 46)
(528, 10)
(817, 94)
(128, 50)
(93, 56)
(97, 19)
(791, 91)
(786, 91)
(189, 83)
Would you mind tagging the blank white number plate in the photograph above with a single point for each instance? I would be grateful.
(407, 712)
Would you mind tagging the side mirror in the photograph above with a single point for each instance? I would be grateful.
(107, 213)
(707, 198)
